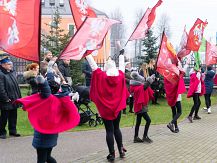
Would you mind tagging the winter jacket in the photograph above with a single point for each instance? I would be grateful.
(9, 90)
(30, 78)
(64, 69)
(209, 81)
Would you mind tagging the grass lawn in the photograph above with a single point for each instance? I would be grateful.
(160, 114)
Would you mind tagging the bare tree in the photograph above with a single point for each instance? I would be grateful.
(163, 25)
(117, 32)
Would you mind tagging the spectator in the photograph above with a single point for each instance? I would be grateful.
(48, 56)
(65, 70)
(155, 84)
(144, 70)
(128, 68)
(209, 75)
(29, 75)
(87, 71)
(9, 92)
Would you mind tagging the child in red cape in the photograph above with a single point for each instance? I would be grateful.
(108, 91)
(140, 88)
(49, 114)
(196, 89)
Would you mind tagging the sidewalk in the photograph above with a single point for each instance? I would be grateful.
(196, 142)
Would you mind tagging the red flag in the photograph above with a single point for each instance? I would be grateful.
(145, 23)
(167, 61)
(88, 38)
(196, 35)
(152, 15)
(19, 28)
(211, 54)
(183, 51)
(80, 11)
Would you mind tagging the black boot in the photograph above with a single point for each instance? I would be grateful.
(122, 152)
(111, 157)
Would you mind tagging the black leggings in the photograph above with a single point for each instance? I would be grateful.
(177, 111)
(196, 106)
(44, 155)
(207, 100)
(113, 130)
(138, 122)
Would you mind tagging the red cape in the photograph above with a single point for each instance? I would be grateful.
(50, 115)
(194, 81)
(215, 80)
(141, 96)
(109, 93)
(173, 90)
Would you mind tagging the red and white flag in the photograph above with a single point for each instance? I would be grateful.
(183, 51)
(145, 23)
(80, 10)
(89, 37)
(196, 35)
(19, 28)
(211, 54)
(167, 61)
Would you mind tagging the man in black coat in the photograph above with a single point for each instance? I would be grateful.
(64, 68)
(87, 71)
(9, 92)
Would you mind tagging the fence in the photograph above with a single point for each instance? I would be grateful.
(20, 66)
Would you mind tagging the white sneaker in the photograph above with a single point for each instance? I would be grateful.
(209, 110)
(204, 108)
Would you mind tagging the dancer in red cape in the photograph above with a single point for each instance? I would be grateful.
(140, 88)
(108, 91)
(196, 89)
(49, 114)
(173, 96)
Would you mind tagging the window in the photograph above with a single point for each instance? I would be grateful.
(61, 2)
(52, 2)
(42, 2)
(71, 29)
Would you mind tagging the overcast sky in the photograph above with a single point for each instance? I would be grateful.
(181, 12)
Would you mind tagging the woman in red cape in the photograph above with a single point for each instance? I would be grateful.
(48, 114)
(173, 95)
(196, 89)
(108, 91)
(140, 88)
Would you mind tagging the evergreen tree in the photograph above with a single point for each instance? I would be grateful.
(56, 40)
(150, 47)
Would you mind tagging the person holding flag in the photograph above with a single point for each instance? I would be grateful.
(175, 90)
(169, 66)
(109, 92)
(196, 89)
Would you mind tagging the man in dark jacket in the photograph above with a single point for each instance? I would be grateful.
(86, 69)
(9, 92)
(64, 68)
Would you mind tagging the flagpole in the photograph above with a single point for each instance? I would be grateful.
(159, 48)
(39, 39)
(136, 27)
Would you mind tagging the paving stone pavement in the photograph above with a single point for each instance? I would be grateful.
(196, 142)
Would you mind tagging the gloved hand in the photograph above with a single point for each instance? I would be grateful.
(75, 96)
(151, 79)
(40, 79)
(121, 52)
(135, 75)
